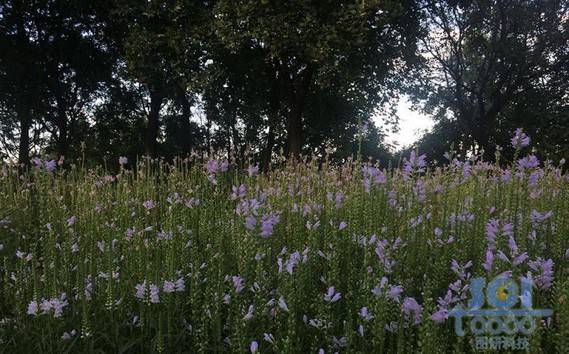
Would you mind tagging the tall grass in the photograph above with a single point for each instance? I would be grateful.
(204, 256)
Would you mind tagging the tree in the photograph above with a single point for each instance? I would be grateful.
(20, 76)
(484, 60)
(349, 47)
(161, 43)
(53, 62)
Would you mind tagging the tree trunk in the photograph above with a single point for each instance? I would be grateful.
(62, 134)
(297, 98)
(238, 149)
(24, 144)
(22, 104)
(186, 126)
(274, 115)
(482, 135)
(294, 131)
(150, 146)
(268, 153)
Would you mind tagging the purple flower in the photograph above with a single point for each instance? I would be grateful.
(332, 296)
(513, 245)
(282, 304)
(534, 177)
(123, 160)
(237, 283)
(68, 336)
(212, 166)
(191, 202)
(342, 226)
(520, 259)
(508, 229)
(440, 316)
(461, 270)
(180, 285)
(71, 221)
(492, 229)
(370, 173)
(253, 170)
(58, 305)
(414, 162)
(250, 222)
(544, 279)
(254, 347)
(537, 218)
(238, 192)
(268, 223)
(269, 338)
(50, 165)
(154, 294)
(32, 308)
(529, 162)
(489, 261)
(506, 176)
(45, 306)
(249, 315)
(140, 290)
(364, 313)
(394, 292)
(168, 287)
(520, 139)
(292, 262)
(411, 305)
(37, 162)
(149, 204)
(377, 290)
(164, 235)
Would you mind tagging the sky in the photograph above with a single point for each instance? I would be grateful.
(412, 124)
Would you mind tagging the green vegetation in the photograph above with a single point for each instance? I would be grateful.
(208, 256)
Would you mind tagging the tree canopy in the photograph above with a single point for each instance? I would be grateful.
(164, 78)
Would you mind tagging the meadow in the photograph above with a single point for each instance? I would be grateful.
(204, 255)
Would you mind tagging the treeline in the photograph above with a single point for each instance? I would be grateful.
(163, 78)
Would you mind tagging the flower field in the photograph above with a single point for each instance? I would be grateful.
(206, 256)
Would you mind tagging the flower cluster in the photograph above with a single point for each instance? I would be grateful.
(205, 255)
